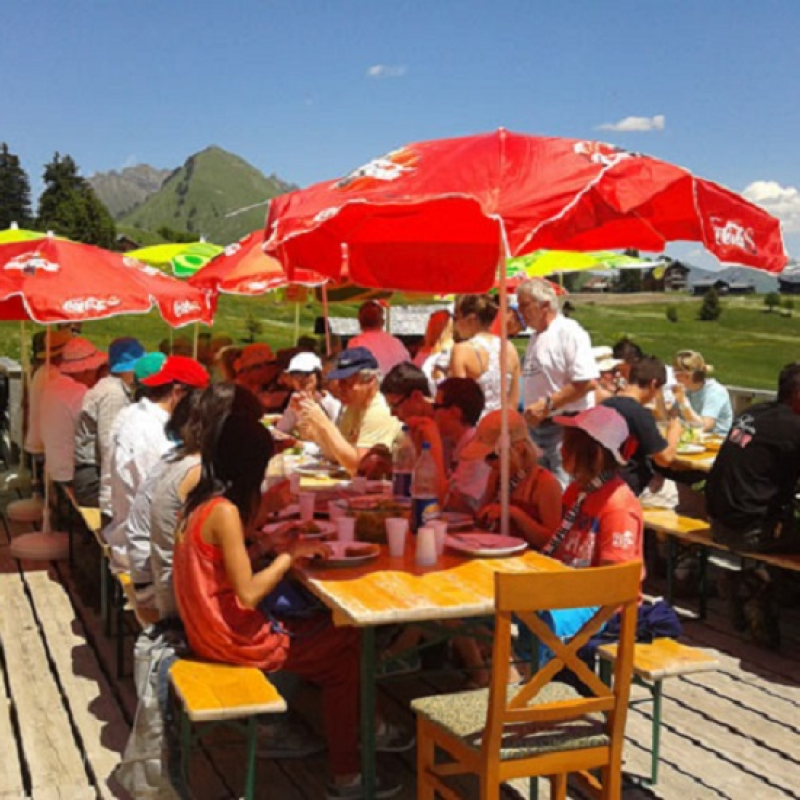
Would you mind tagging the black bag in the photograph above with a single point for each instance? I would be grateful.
(290, 600)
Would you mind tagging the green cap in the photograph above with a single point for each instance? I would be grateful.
(148, 365)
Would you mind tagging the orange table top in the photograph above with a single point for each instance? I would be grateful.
(699, 461)
(394, 590)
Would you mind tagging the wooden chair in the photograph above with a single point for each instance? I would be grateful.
(541, 727)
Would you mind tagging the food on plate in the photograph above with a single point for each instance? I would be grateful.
(356, 550)
(371, 514)
(691, 435)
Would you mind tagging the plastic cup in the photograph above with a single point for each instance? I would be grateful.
(396, 534)
(306, 501)
(426, 547)
(359, 484)
(335, 510)
(440, 534)
(346, 529)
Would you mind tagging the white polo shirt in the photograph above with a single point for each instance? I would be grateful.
(559, 355)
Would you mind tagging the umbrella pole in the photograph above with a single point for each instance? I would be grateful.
(25, 361)
(504, 438)
(195, 340)
(325, 318)
(296, 322)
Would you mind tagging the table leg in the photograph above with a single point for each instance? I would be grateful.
(368, 755)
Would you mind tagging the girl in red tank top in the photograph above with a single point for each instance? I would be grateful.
(218, 592)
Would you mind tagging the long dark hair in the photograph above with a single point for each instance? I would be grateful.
(235, 450)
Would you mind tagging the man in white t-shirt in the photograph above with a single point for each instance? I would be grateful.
(387, 349)
(559, 370)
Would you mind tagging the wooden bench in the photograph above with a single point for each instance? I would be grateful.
(210, 694)
(692, 531)
(652, 663)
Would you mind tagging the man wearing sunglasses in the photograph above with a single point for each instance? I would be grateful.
(448, 424)
(365, 420)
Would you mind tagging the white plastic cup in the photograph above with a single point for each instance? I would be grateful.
(306, 501)
(426, 547)
(346, 529)
(335, 510)
(440, 534)
(359, 484)
(396, 534)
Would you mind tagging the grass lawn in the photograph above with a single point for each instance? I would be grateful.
(747, 345)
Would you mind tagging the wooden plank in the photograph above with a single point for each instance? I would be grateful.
(97, 716)
(11, 781)
(664, 658)
(50, 752)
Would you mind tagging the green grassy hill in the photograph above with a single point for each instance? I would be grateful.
(214, 194)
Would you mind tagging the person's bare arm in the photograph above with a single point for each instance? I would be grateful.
(316, 426)
(666, 456)
(223, 528)
(537, 412)
(461, 361)
(514, 370)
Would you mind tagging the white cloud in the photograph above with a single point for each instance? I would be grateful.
(387, 71)
(636, 124)
(780, 201)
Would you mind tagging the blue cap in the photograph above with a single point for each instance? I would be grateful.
(351, 361)
(123, 354)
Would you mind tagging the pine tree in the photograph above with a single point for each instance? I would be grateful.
(711, 308)
(15, 191)
(69, 207)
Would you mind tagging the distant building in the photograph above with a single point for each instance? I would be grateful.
(674, 278)
(789, 281)
(700, 287)
(741, 287)
(598, 284)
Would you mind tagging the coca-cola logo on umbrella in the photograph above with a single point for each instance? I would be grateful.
(30, 263)
(386, 168)
(731, 234)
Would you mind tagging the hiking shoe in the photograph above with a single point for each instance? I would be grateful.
(285, 740)
(393, 738)
(384, 788)
(404, 664)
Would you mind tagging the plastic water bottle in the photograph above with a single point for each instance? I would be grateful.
(424, 494)
(404, 455)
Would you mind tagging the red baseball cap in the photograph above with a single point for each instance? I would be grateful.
(179, 369)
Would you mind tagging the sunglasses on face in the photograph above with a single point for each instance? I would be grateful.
(394, 405)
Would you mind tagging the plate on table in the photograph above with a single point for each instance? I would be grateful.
(316, 529)
(690, 449)
(456, 519)
(348, 554)
(321, 469)
(492, 545)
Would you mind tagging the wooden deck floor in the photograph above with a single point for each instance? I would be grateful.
(64, 718)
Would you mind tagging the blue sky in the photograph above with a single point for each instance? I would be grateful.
(310, 89)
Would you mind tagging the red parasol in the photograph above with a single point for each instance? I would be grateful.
(244, 268)
(433, 216)
(53, 280)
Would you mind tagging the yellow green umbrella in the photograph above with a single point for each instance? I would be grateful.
(183, 258)
(16, 234)
(546, 262)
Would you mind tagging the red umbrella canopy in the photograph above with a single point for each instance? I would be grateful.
(244, 268)
(55, 280)
(431, 216)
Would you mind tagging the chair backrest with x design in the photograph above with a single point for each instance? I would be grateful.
(611, 590)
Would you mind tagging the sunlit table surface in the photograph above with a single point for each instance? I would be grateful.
(390, 590)
(395, 590)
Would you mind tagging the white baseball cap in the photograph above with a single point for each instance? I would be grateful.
(603, 424)
(604, 357)
(304, 362)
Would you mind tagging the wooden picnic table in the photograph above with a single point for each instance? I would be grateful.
(396, 591)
